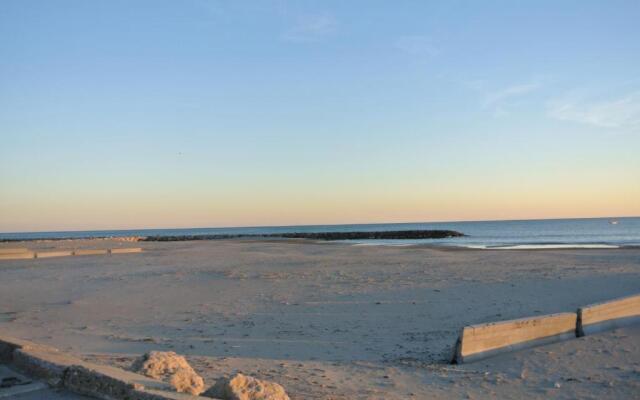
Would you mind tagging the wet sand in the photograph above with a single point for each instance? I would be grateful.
(329, 320)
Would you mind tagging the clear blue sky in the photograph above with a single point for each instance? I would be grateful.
(118, 114)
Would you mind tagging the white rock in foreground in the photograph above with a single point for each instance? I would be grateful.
(167, 365)
(242, 387)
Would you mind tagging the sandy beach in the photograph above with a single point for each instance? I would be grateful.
(319, 200)
(329, 320)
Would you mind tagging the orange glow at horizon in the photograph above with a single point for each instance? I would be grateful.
(95, 211)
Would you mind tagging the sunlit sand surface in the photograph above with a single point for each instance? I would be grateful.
(330, 321)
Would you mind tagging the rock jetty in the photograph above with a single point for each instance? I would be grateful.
(361, 235)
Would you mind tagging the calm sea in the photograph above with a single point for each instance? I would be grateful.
(591, 232)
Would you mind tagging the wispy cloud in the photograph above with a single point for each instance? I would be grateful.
(623, 112)
(311, 28)
(418, 46)
(500, 96)
(499, 101)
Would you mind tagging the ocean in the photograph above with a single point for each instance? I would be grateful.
(518, 234)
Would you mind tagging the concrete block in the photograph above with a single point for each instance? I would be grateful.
(126, 250)
(90, 252)
(608, 315)
(10, 344)
(48, 254)
(99, 381)
(17, 256)
(44, 363)
(485, 340)
(150, 394)
(109, 383)
(19, 384)
(76, 375)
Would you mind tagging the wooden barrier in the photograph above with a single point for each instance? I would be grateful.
(17, 256)
(485, 340)
(49, 254)
(608, 315)
(90, 252)
(13, 250)
(25, 254)
(126, 250)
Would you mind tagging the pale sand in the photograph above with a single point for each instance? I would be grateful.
(330, 321)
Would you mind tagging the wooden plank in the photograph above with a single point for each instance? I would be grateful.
(13, 250)
(64, 253)
(17, 256)
(126, 250)
(484, 340)
(49, 254)
(608, 315)
(90, 252)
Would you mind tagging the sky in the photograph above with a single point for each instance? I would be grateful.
(202, 113)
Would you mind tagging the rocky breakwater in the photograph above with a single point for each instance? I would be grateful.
(360, 235)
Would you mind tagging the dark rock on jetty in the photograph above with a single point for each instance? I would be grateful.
(417, 234)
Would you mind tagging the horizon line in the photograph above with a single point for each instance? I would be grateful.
(311, 225)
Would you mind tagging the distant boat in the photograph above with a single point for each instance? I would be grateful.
(614, 222)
